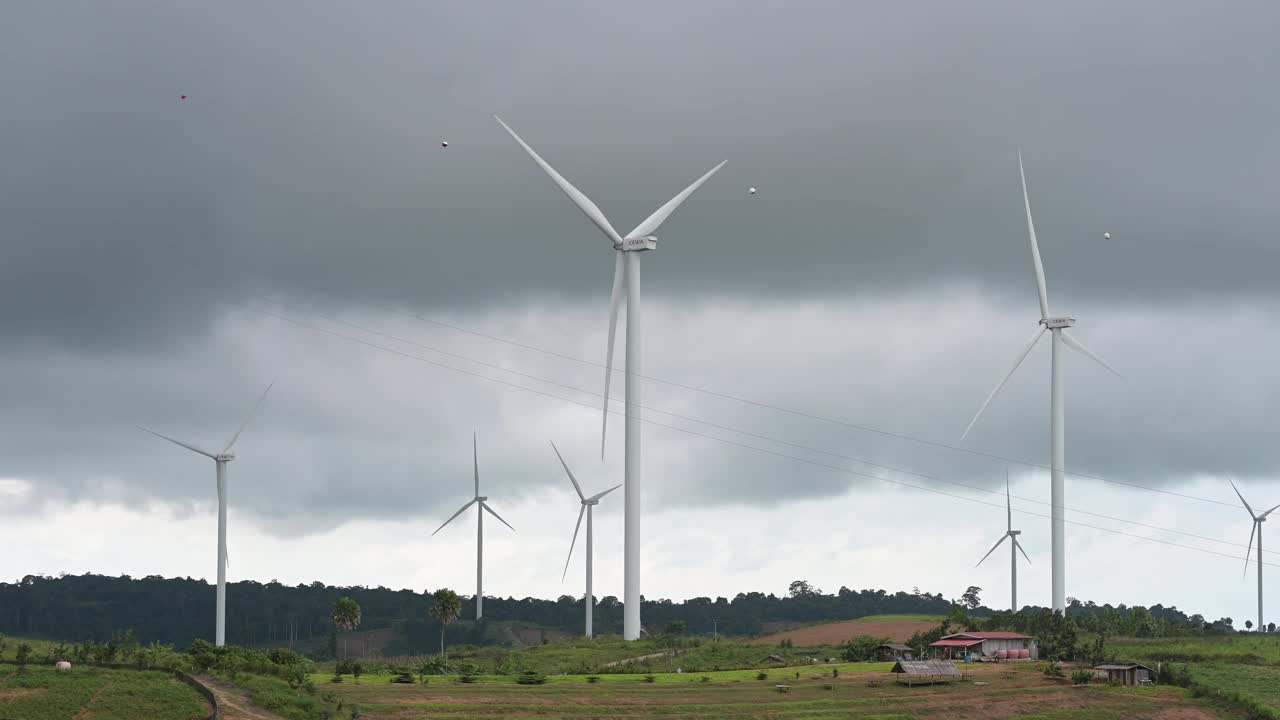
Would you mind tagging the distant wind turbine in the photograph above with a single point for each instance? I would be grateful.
(481, 506)
(1257, 530)
(587, 504)
(1057, 327)
(1010, 534)
(220, 460)
(626, 274)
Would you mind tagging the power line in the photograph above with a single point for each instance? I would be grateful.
(799, 413)
(775, 453)
(747, 433)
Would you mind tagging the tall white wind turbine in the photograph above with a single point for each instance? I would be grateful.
(587, 504)
(481, 503)
(1257, 530)
(1010, 534)
(1057, 327)
(626, 275)
(220, 460)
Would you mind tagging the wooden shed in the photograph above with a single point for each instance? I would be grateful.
(893, 651)
(1124, 673)
(925, 672)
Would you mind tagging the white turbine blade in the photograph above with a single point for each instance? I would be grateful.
(1035, 247)
(599, 495)
(1024, 552)
(993, 548)
(581, 510)
(1250, 546)
(1264, 515)
(451, 517)
(583, 202)
(475, 462)
(179, 443)
(491, 512)
(660, 215)
(569, 472)
(1252, 514)
(1008, 501)
(1079, 347)
(252, 412)
(615, 300)
(1034, 339)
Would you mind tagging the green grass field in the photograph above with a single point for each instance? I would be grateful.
(1248, 649)
(863, 692)
(42, 693)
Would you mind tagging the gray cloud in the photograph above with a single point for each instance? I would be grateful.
(306, 161)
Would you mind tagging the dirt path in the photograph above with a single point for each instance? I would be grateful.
(650, 656)
(88, 707)
(233, 703)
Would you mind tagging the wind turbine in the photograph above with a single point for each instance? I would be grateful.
(481, 506)
(220, 461)
(587, 504)
(1057, 326)
(1257, 530)
(626, 274)
(1010, 534)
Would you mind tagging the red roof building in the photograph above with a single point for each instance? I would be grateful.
(991, 645)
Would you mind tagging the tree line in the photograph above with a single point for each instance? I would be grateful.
(175, 610)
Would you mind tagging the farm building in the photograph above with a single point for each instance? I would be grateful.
(992, 645)
(925, 672)
(1124, 673)
(893, 651)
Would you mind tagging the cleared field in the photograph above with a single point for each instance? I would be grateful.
(894, 627)
(41, 693)
(813, 695)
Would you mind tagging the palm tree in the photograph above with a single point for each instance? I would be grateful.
(445, 607)
(346, 616)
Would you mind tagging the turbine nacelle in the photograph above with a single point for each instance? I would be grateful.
(481, 498)
(224, 457)
(1058, 323)
(637, 244)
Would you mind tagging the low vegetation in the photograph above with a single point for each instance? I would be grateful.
(38, 692)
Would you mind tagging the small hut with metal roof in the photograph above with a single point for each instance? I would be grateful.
(925, 672)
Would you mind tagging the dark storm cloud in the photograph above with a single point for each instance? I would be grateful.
(306, 160)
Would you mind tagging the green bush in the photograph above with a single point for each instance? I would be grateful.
(706, 678)
(593, 679)
(650, 678)
(1052, 669)
(531, 677)
(762, 676)
(1081, 677)
(468, 679)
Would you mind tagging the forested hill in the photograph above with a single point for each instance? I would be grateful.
(175, 610)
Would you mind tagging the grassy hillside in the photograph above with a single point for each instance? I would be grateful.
(42, 693)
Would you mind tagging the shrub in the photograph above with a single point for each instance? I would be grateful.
(1052, 669)
(828, 686)
(705, 679)
(468, 679)
(336, 678)
(762, 676)
(593, 679)
(861, 648)
(1081, 677)
(650, 678)
(23, 655)
(531, 677)
(835, 672)
(404, 678)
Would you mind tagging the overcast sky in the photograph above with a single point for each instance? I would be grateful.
(296, 218)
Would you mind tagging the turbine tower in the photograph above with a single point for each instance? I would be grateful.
(1010, 534)
(480, 501)
(220, 460)
(1257, 530)
(1057, 326)
(587, 504)
(626, 275)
